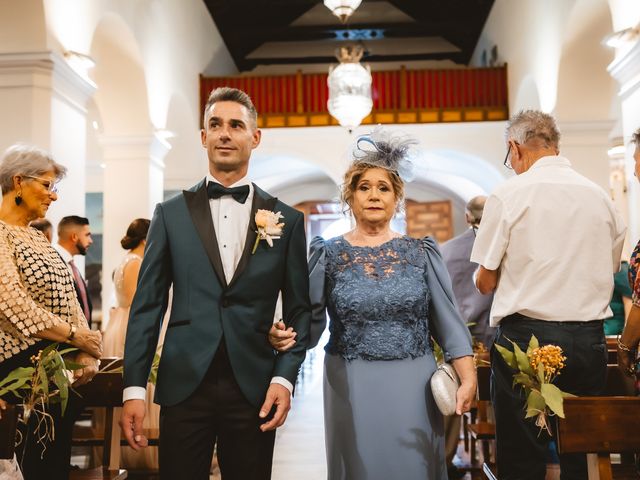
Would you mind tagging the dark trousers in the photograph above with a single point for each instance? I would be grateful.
(51, 460)
(217, 412)
(521, 446)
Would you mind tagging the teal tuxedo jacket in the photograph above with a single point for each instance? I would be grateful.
(182, 251)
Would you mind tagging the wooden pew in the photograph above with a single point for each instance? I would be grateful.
(105, 390)
(618, 383)
(8, 427)
(599, 426)
(482, 430)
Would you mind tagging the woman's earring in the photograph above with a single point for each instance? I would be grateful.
(18, 198)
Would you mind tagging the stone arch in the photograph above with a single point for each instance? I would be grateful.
(186, 160)
(527, 95)
(119, 74)
(440, 175)
(23, 26)
(586, 91)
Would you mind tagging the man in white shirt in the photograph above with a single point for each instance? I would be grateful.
(548, 245)
(74, 238)
(219, 381)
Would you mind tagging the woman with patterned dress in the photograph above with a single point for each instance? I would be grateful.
(38, 303)
(630, 337)
(386, 295)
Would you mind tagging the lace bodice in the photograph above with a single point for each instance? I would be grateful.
(377, 299)
(118, 279)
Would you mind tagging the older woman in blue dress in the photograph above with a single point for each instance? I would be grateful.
(386, 294)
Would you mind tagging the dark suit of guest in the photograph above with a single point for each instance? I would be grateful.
(79, 283)
(216, 351)
(475, 308)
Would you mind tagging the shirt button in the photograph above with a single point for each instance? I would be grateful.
(224, 246)
(225, 216)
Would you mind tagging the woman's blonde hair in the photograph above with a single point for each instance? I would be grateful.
(353, 175)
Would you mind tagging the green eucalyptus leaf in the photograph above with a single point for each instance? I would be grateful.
(67, 350)
(508, 356)
(62, 382)
(71, 365)
(522, 359)
(523, 379)
(535, 404)
(553, 397)
(533, 344)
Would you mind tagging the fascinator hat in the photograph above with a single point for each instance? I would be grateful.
(386, 149)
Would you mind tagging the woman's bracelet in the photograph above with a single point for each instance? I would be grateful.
(624, 347)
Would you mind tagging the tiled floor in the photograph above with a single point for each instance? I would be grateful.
(299, 451)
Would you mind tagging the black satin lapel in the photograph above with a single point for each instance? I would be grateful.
(198, 205)
(261, 201)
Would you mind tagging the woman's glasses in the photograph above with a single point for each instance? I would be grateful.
(48, 184)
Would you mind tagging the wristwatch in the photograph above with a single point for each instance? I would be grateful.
(72, 332)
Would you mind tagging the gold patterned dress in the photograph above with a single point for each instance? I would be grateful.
(36, 290)
(36, 293)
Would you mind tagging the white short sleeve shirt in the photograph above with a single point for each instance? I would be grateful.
(556, 240)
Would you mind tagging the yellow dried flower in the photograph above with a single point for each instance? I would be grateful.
(550, 357)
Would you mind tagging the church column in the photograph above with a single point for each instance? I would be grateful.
(44, 103)
(133, 185)
(626, 70)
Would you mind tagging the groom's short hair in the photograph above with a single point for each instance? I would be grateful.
(228, 94)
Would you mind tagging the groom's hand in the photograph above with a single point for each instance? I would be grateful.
(133, 412)
(277, 396)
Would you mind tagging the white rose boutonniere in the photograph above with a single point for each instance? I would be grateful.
(268, 227)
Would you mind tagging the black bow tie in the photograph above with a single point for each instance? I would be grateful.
(239, 194)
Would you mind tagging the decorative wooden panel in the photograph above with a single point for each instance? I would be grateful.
(429, 218)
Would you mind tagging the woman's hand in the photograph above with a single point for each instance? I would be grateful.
(86, 374)
(626, 362)
(282, 338)
(466, 370)
(89, 341)
(464, 397)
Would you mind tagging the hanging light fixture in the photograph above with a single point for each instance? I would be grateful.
(349, 88)
(342, 9)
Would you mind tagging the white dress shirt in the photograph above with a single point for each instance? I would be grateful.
(231, 223)
(556, 239)
(66, 256)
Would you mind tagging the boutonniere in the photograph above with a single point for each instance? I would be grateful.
(268, 227)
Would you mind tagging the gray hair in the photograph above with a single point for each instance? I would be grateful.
(26, 160)
(228, 94)
(635, 137)
(529, 124)
(475, 208)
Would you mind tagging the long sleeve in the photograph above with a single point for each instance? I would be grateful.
(149, 304)
(295, 303)
(317, 258)
(446, 324)
(17, 305)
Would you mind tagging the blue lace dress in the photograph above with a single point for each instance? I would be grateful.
(383, 302)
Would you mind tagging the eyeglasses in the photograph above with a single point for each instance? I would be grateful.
(507, 160)
(48, 184)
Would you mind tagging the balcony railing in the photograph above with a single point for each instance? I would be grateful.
(399, 96)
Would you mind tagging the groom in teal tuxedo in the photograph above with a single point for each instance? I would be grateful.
(227, 253)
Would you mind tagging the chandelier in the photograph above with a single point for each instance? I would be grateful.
(349, 88)
(342, 9)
